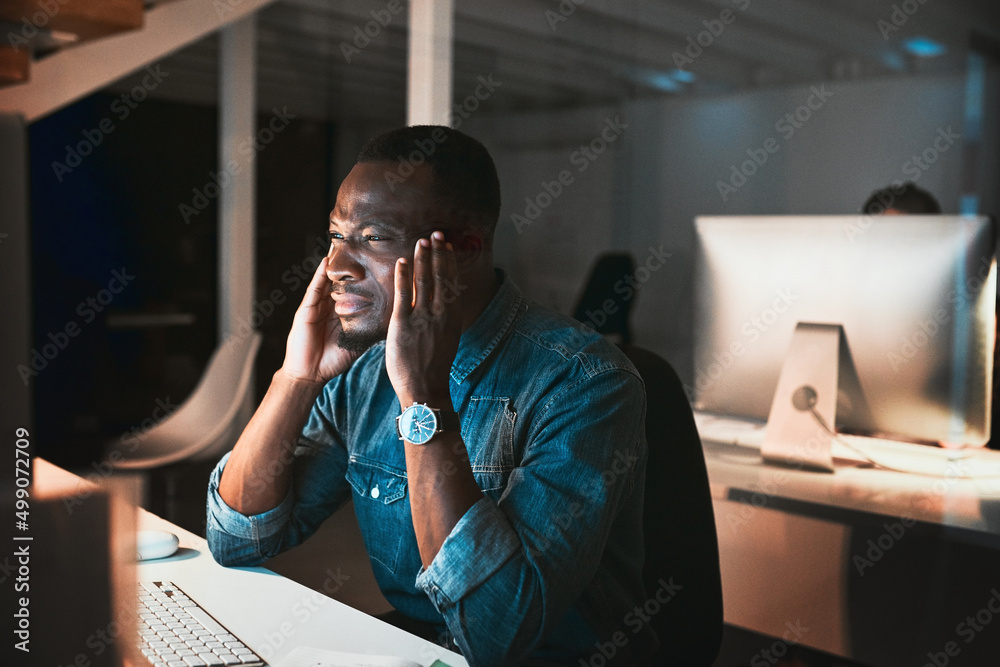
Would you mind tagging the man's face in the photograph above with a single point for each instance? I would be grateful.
(372, 226)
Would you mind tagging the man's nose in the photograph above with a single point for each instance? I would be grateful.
(343, 263)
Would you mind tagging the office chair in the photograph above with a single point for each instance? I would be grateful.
(598, 290)
(678, 521)
(207, 423)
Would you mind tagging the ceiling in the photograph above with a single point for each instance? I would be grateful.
(551, 54)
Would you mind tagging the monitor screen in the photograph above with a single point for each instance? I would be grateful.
(914, 296)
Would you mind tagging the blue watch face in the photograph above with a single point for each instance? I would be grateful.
(418, 424)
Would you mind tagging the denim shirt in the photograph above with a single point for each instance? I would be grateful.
(547, 565)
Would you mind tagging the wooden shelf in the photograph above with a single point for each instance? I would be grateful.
(87, 19)
(15, 66)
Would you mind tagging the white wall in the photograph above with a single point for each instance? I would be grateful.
(663, 170)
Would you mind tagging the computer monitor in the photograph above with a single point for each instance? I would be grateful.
(884, 324)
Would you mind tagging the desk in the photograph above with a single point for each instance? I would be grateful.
(272, 614)
(795, 547)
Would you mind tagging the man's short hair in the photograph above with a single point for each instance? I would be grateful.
(905, 197)
(464, 173)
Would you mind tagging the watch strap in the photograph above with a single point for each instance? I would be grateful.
(448, 420)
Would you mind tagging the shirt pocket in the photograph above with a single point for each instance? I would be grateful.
(488, 432)
(379, 503)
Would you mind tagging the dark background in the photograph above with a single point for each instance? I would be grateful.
(120, 208)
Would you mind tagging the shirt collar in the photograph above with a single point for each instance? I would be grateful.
(489, 328)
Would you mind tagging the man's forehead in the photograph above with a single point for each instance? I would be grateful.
(365, 203)
(370, 191)
(377, 182)
(398, 219)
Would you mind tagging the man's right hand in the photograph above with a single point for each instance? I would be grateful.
(312, 353)
(312, 358)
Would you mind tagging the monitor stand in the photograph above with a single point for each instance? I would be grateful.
(809, 381)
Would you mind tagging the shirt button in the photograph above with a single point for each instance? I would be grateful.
(375, 491)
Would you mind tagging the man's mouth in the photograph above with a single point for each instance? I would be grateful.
(346, 304)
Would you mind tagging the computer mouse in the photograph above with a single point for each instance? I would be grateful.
(152, 544)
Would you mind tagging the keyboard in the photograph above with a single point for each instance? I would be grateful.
(175, 631)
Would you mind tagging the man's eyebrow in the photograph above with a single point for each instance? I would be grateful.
(381, 223)
(384, 223)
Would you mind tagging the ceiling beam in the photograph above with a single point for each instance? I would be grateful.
(674, 22)
(585, 42)
(822, 25)
(73, 73)
(519, 55)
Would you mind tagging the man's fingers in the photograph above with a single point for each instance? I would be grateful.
(423, 278)
(319, 286)
(440, 260)
(445, 272)
(403, 301)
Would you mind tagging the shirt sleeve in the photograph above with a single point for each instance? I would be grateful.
(318, 488)
(517, 565)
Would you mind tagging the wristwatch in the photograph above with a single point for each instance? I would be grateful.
(419, 423)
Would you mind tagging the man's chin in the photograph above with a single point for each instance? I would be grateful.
(359, 341)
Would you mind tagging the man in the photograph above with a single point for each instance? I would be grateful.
(908, 199)
(901, 199)
(504, 507)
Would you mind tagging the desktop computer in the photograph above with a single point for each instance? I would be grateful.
(876, 326)
(75, 597)
(71, 577)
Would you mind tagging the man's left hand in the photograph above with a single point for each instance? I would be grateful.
(426, 324)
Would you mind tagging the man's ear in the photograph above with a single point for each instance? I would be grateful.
(469, 247)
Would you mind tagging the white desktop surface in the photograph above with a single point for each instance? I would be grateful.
(272, 614)
(788, 538)
(969, 505)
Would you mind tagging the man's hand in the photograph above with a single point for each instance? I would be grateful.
(312, 358)
(312, 354)
(423, 337)
(426, 325)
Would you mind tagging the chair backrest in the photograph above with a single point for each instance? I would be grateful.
(590, 309)
(678, 521)
(208, 422)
